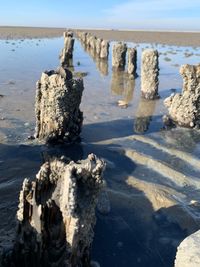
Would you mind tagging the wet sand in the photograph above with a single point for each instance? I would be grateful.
(152, 174)
(171, 38)
(29, 32)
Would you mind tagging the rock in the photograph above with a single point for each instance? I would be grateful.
(132, 61)
(58, 97)
(184, 108)
(56, 214)
(188, 253)
(104, 49)
(149, 74)
(119, 55)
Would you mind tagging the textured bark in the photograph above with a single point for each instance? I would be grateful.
(56, 214)
(104, 49)
(149, 74)
(184, 108)
(98, 46)
(68, 34)
(119, 56)
(89, 37)
(67, 51)
(132, 61)
(92, 43)
(82, 36)
(58, 97)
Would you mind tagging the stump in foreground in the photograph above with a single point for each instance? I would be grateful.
(56, 214)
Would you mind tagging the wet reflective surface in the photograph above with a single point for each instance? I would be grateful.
(152, 174)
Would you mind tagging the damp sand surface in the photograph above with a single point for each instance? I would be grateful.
(9, 32)
(152, 174)
(162, 37)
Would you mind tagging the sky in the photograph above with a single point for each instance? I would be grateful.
(111, 14)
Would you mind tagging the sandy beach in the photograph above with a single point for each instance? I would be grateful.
(171, 38)
(29, 32)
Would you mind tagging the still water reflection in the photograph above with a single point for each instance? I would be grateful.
(150, 214)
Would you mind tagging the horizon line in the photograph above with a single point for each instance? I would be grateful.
(105, 29)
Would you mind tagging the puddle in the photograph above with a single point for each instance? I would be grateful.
(152, 174)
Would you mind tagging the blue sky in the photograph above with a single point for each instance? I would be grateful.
(127, 14)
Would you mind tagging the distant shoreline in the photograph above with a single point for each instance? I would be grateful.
(142, 36)
(137, 36)
(14, 32)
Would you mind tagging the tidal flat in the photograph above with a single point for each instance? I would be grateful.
(152, 173)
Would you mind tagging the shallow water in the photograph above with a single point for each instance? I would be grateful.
(152, 174)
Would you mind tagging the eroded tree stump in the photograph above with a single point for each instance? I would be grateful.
(56, 214)
(58, 97)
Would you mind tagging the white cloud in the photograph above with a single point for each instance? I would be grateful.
(174, 14)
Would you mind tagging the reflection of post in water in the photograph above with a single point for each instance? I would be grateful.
(143, 115)
(84, 46)
(91, 52)
(122, 85)
(128, 92)
(117, 82)
(102, 65)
